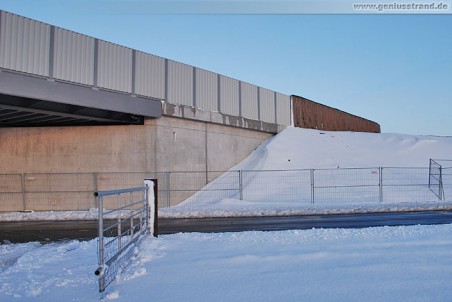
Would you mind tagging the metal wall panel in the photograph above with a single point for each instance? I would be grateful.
(267, 105)
(250, 106)
(150, 75)
(229, 96)
(283, 109)
(206, 90)
(33, 47)
(24, 44)
(180, 83)
(73, 57)
(312, 115)
(114, 67)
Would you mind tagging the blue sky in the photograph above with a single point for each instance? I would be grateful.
(392, 69)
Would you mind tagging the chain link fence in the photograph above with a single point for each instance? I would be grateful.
(74, 191)
(319, 186)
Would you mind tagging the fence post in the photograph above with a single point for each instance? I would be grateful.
(152, 209)
(156, 207)
(380, 183)
(95, 186)
(168, 190)
(131, 217)
(22, 184)
(241, 184)
(100, 270)
(441, 189)
(312, 186)
(119, 228)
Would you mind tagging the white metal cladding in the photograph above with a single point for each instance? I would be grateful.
(267, 105)
(114, 67)
(250, 107)
(73, 57)
(206, 90)
(24, 44)
(282, 109)
(150, 75)
(229, 96)
(25, 47)
(180, 83)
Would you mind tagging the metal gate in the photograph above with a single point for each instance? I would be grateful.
(125, 217)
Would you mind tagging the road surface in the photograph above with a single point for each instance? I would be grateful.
(48, 231)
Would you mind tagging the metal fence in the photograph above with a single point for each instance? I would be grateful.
(73, 191)
(319, 186)
(121, 228)
(435, 179)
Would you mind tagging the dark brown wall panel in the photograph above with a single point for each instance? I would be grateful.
(312, 115)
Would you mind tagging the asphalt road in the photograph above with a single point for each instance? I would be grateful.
(272, 223)
(45, 231)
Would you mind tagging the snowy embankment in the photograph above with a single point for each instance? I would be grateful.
(295, 149)
(407, 263)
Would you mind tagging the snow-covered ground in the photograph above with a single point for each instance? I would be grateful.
(409, 263)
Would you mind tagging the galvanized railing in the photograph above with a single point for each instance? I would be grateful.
(435, 179)
(121, 228)
(73, 191)
(319, 186)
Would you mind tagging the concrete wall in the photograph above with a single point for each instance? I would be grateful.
(312, 115)
(165, 144)
(160, 145)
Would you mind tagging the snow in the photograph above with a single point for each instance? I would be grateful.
(405, 263)
(295, 149)
(316, 149)
(334, 157)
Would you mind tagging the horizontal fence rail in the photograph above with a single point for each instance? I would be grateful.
(73, 191)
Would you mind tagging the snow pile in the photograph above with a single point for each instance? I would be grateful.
(296, 148)
(282, 193)
(91, 214)
(49, 272)
(407, 263)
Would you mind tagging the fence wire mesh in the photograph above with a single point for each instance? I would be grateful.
(440, 177)
(319, 186)
(119, 229)
(73, 191)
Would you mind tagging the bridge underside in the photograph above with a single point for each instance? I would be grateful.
(28, 101)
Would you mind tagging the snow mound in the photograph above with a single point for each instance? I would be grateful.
(296, 148)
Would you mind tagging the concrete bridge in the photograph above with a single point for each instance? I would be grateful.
(72, 105)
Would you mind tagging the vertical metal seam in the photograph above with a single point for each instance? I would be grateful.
(276, 108)
(258, 103)
(96, 62)
(219, 92)
(207, 152)
(166, 76)
(194, 86)
(51, 51)
(240, 98)
(134, 56)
